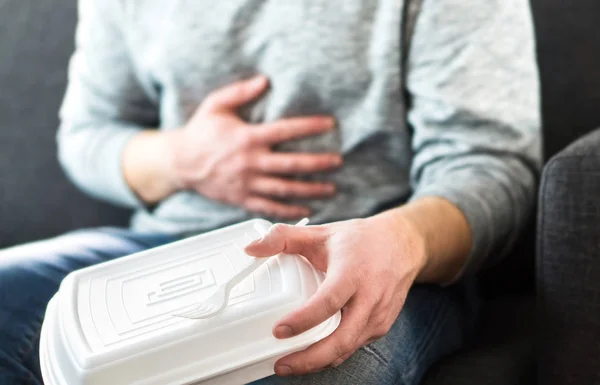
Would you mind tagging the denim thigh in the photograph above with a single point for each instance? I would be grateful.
(31, 274)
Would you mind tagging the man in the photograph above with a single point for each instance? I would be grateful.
(408, 129)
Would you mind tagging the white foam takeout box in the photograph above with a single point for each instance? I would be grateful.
(112, 324)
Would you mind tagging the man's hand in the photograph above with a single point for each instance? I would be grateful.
(224, 158)
(371, 265)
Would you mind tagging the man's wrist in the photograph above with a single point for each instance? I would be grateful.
(440, 236)
(148, 166)
(405, 235)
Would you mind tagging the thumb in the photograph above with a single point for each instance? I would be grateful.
(282, 238)
(236, 95)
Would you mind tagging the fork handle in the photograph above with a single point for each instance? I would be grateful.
(252, 266)
(245, 272)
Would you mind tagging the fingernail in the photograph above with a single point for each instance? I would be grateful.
(331, 189)
(282, 370)
(259, 79)
(283, 331)
(337, 161)
(254, 242)
(337, 362)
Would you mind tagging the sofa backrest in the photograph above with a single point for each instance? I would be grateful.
(36, 200)
(568, 46)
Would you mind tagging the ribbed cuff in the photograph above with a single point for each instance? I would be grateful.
(113, 185)
(93, 159)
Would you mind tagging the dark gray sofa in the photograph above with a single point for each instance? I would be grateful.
(36, 201)
(568, 260)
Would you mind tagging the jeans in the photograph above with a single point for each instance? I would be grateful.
(433, 323)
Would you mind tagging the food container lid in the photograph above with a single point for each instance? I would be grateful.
(113, 323)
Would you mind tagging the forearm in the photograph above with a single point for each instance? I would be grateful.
(147, 166)
(443, 231)
(475, 120)
(107, 103)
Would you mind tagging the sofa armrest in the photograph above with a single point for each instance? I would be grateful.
(568, 265)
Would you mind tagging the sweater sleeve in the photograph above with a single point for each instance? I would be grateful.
(104, 107)
(473, 85)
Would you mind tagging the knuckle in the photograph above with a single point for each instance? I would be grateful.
(279, 229)
(307, 367)
(280, 189)
(320, 163)
(379, 320)
(241, 90)
(210, 102)
(374, 297)
(332, 303)
(290, 164)
(382, 330)
(344, 345)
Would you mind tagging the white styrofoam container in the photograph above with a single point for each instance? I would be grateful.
(112, 324)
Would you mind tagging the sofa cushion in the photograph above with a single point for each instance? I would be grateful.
(569, 265)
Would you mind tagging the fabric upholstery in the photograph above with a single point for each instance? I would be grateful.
(568, 45)
(36, 201)
(569, 266)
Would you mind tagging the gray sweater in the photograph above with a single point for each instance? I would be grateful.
(441, 103)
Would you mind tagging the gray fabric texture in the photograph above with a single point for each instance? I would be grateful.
(36, 200)
(569, 266)
(568, 59)
(474, 101)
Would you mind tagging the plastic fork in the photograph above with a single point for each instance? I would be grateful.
(214, 304)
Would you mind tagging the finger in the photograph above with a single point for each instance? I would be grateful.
(380, 323)
(344, 341)
(236, 95)
(293, 128)
(283, 188)
(272, 208)
(279, 163)
(372, 332)
(364, 340)
(282, 238)
(334, 293)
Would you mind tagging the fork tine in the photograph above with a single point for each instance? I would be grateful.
(196, 309)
